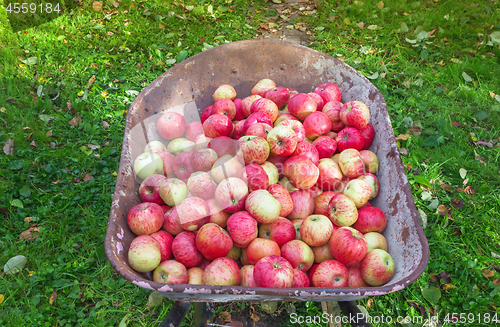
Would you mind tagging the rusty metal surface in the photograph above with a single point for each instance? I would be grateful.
(188, 87)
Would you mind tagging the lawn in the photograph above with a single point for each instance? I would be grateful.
(67, 80)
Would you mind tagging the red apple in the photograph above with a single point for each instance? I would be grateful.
(145, 218)
(370, 160)
(284, 198)
(303, 204)
(267, 107)
(373, 181)
(243, 228)
(311, 272)
(330, 175)
(326, 146)
(316, 124)
(348, 245)
(238, 129)
(271, 171)
(213, 241)
(217, 215)
(259, 129)
(255, 177)
(349, 138)
(282, 140)
(203, 160)
(201, 142)
(297, 127)
(224, 92)
(292, 92)
(223, 145)
(171, 222)
(351, 164)
(322, 201)
(149, 190)
(284, 116)
(332, 110)
(165, 240)
(330, 273)
(244, 258)
(194, 129)
(171, 125)
(263, 206)
(377, 267)
(222, 271)
(204, 263)
(254, 149)
(375, 241)
(301, 172)
(299, 254)
(168, 163)
(246, 103)
(300, 279)
(171, 272)
(316, 230)
(296, 224)
(355, 114)
(274, 272)
(329, 92)
(193, 213)
(207, 112)
(281, 231)
(183, 165)
(185, 251)
(201, 184)
(144, 253)
(239, 110)
(225, 167)
(224, 107)
(368, 134)
(247, 279)
(319, 100)
(261, 247)
(314, 191)
(279, 95)
(217, 125)
(358, 190)
(195, 276)
(231, 194)
(322, 253)
(342, 210)
(301, 105)
(307, 149)
(371, 219)
(278, 161)
(254, 118)
(262, 86)
(165, 208)
(355, 279)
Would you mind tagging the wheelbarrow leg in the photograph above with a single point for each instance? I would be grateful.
(203, 313)
(176, 314)
(350, 309)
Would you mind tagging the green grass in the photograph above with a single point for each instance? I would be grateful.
(65, 184)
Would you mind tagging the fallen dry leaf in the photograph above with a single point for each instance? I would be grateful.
(8, 147)
(465, 181)
(403, 137)
(28, 137)
(492, 94)
(415, 130)
(91, 81)
(253, 314)
(456, 124)
(496, 281)
(380, 5)
(372, 27)
(28, 219)
(447, 187)
(361, 25)
(53, 297)
(86, 177)
(488, 273)
(30, 234)
(457, 203)
(49, 133)
(442, 210)
(369, 302)
(448, 286)
(105, 124)
(75, 120)
(33, 144)
(481, 160)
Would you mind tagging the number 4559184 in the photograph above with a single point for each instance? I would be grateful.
(471, 318)
(32, 8)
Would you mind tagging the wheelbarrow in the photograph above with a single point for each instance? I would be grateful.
(187, 88)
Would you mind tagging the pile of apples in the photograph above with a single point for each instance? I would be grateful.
(270, 190)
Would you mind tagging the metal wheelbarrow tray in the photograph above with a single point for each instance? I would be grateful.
(188, 88)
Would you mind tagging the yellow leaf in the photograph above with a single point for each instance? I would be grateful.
(380, 5)
(41, 80)
(448, 286)
(488, 273)
(104, 94)
(161, 26)
(492, 94)
(2, 109)
(81, 93)
(52, 298)
(115, 173)
(403, 137)
(31, 273)
(22, 65)
(1, 298)
(347, 21)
